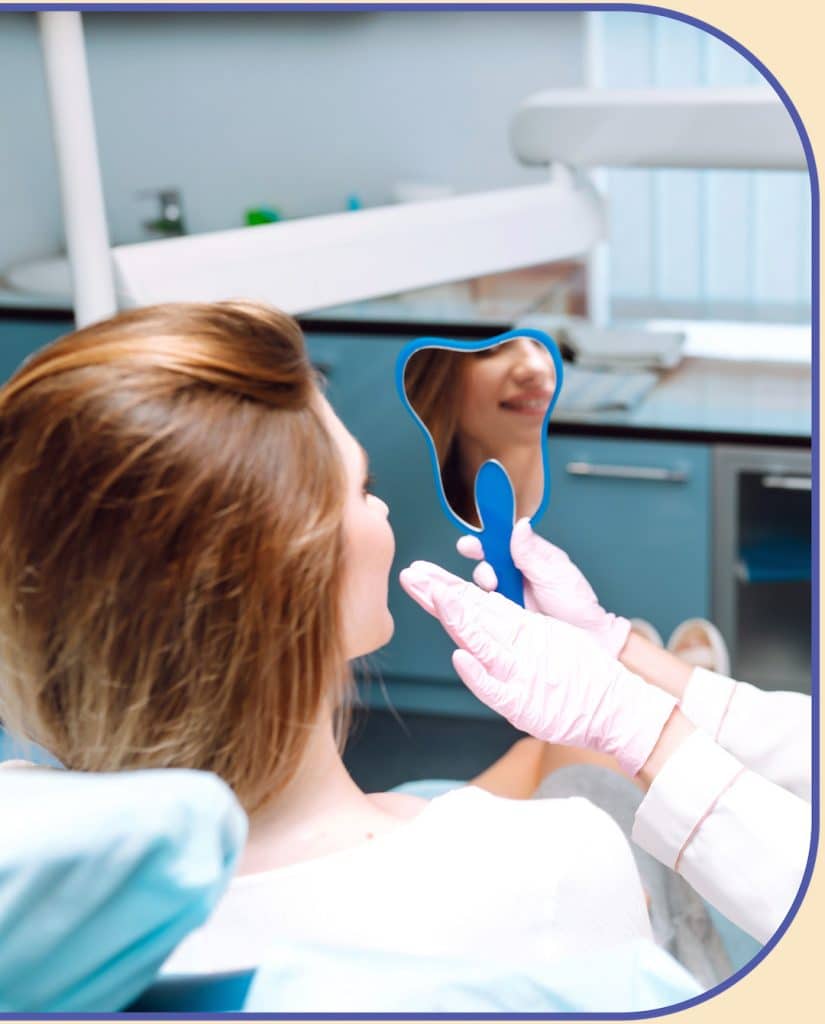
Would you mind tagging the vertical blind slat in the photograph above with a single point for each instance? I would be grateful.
(726, 242)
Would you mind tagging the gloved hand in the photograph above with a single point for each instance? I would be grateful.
(553, 585)
(546, 677)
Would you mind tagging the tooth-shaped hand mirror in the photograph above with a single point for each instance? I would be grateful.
(483, 407)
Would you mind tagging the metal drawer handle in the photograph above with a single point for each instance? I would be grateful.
(777, 482)
(655, 473)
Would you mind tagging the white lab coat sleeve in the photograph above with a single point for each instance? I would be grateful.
(741, 841)
(770, 732)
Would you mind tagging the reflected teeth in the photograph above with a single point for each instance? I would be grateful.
(536, 404)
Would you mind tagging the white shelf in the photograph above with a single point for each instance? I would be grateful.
(317, 262)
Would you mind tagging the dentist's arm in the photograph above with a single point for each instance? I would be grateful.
(741, 841)
(769, 732)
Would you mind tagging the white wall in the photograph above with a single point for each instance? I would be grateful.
(293, 110)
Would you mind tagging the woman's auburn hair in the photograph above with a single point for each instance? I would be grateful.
(171, 546)
(433, 385)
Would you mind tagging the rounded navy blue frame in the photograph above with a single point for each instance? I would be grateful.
(494, 497)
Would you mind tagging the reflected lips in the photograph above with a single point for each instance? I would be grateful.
(528, 403)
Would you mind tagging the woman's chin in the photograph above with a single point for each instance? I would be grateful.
(379, 636)
(387, 630)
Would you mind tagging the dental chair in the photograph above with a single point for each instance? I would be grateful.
(101, 876)
(104, 874)
(205, 993)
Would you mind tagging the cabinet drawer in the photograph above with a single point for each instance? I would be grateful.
(635, 516)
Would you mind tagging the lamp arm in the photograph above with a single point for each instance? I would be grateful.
(78, 165)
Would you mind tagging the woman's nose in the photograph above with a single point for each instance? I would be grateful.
(532, 362)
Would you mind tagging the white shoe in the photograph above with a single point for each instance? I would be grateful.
(647, 630)
(699, 642)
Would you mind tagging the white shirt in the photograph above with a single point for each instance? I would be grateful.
(728, 810)
(470, 874)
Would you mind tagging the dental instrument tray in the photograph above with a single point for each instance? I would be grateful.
(587, 390)
(623, 348)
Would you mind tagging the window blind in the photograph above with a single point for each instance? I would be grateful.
(715, 244)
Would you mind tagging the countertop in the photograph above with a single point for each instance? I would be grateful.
(704, 399)
(719, 400)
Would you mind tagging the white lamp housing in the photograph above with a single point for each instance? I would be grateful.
(724, 128)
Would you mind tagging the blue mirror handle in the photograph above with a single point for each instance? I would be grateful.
(496, 506)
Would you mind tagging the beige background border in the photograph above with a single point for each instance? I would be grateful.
(787, 38)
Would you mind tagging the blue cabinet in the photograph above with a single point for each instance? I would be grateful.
(21, 335)
(635, 516)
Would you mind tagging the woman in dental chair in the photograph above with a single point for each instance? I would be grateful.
(190, 558)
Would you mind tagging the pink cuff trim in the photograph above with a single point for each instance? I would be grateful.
(684, 792)
(706, 699)
(725, 712)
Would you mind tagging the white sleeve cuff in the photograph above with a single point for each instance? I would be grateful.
(682, 795)
(706, 700)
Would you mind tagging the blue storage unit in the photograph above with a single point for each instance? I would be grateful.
(635, 517)
(20, 335)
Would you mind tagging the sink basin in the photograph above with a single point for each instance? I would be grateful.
(50, 276)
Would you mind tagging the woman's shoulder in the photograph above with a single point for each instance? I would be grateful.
(564, 846)
(575, 818)
(399, 805)
(481, 801)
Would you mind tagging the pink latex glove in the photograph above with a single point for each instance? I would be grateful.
(553, 585)
(546, 677)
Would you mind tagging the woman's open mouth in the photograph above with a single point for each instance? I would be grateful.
(527, 404)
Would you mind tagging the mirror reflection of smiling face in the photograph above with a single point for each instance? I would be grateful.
(504, 395)
(482, 404)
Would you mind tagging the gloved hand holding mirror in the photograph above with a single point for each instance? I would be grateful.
(484, 407)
